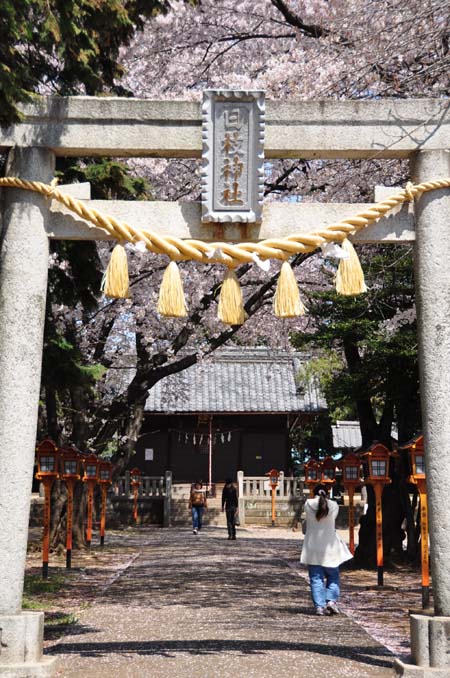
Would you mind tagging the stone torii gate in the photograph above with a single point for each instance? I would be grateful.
(81, 126)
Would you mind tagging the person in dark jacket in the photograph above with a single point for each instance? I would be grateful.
(230, 504)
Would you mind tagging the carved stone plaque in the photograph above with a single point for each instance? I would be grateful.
(233, 155)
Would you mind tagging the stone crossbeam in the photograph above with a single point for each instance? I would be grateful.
(184, 218)
(388, 128)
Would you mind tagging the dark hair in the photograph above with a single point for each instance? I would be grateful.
(228, 481)
(321, 492)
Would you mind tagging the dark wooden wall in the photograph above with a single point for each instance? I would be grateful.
(258, 443)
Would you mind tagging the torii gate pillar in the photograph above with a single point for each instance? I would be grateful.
(430, 634)
(432, 262)
(23, 287)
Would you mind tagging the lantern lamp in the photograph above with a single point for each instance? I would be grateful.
(328, 471)
(312, 474)
(47, 460)
(312, 471)
(105, 472)
(273, 477)
(376, 464)
(70, 463)
(91, 465)
(417, 459)
(351, 465)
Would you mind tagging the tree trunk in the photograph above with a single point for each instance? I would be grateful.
(366, 416)
(59, 515)
(80, 429)
(53, 429)
(393, 534)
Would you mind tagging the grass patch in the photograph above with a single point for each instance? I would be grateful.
(35, 585)
(30, 604)
(38, 593)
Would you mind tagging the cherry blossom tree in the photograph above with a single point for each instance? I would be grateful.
(292, 50)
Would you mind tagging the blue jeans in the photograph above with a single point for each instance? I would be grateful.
(197, 517)
(324, 582)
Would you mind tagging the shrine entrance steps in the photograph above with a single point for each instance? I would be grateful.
(180, 515)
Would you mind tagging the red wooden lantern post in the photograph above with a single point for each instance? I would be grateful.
(47, 461)
(418, 477)
(91, 464)
(350, 479)
(377, 475)
(135, 475)
(312, 475)
(273, 480)
(70, 463)
(105, 480)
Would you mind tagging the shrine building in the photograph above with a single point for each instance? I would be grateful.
(233, 411)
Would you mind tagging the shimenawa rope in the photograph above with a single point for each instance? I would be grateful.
(350, 279)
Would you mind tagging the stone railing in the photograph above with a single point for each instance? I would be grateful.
(256, 492)
(151, 486)
(259, 486)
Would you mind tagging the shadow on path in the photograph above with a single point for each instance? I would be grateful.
(368, 655)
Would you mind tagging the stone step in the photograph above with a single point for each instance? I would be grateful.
(279, 505)
(268, 514)
(181, 515)
(186, 521)
(280, 521)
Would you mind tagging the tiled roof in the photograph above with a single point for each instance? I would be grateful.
(237, 380)
(347, 434)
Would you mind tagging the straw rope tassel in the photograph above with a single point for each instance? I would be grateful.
(350, 276)
(171, 302)
(287, 302)
(115, 281)
(231, 305)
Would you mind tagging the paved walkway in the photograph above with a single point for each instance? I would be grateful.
(206, 607)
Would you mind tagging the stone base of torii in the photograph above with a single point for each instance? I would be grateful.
(418, 129)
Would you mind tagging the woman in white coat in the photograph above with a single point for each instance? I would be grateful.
(323, 551)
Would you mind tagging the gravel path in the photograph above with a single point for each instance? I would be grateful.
(206, 607)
